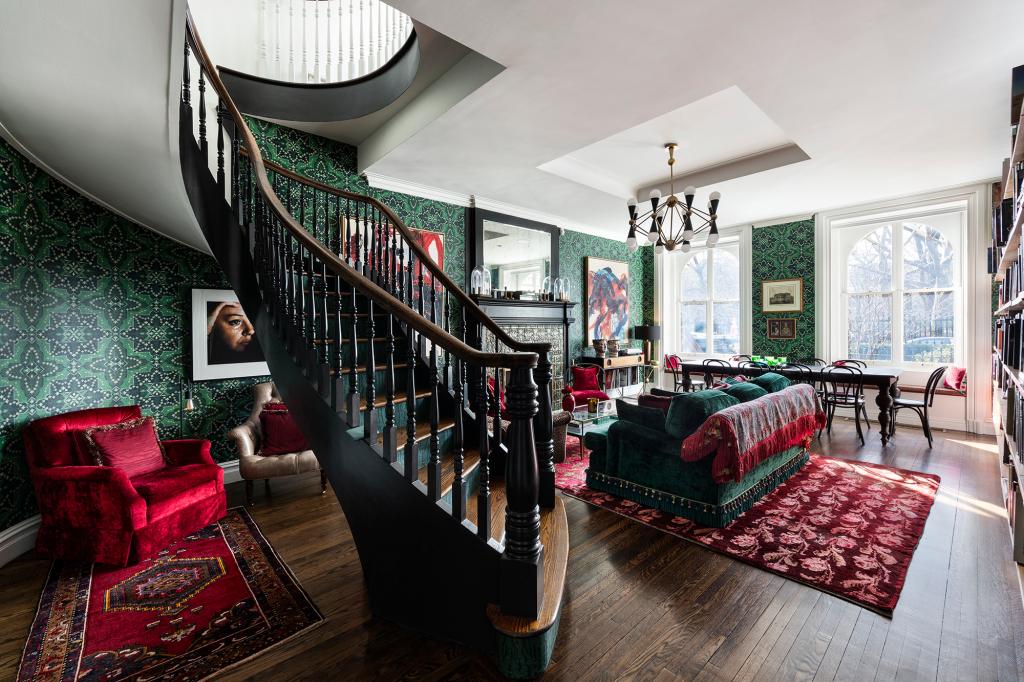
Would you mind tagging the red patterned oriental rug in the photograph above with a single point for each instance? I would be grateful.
(846, 528)
(207, 602)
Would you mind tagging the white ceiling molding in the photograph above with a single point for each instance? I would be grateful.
(392, 184)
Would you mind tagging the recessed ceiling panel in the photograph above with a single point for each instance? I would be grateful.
(712, 132)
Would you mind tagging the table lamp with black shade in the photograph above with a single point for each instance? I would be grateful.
(647, 333)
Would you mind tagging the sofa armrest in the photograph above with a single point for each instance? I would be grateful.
(629, 438)
(245, 439)
(89, 497)
(190, 451)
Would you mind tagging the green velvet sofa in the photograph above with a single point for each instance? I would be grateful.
(636, 460)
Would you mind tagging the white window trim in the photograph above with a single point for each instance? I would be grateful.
(666, 311)
(977, 299)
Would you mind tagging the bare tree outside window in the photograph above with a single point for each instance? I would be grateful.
(709, 298)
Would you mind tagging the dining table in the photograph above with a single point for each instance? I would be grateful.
(885, 379)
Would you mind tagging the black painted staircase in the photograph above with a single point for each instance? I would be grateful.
(449, 496)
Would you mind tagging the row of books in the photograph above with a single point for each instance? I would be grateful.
(1009, 339)
(1013, 280)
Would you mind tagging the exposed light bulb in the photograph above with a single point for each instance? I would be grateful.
(631, 202)
(631, 243)
(659, 249)
(686, 247)
(652, 236)
(712, 238)
(716, 196)
(689, 191)
(655, 194)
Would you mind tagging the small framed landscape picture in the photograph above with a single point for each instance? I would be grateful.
(782, 295)
(781, 327)
(224, 344)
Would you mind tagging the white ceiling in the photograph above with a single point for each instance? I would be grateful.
(886, 98)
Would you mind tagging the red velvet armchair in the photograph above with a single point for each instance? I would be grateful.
(587, 382)
(96, 513)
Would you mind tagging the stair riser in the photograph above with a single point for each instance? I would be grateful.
(444, 439)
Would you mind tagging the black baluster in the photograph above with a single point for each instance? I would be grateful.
(338, 384)
(204, 146)
(496, 395)
(434, 467)
(370, 421)
(543, 428)
(396, 265)
(221, 115)
(521, 581)
(352, 408)
(483, 494)
(411, 458)
(389, 438)
(186, 85)
(458, 485)
(447, 355)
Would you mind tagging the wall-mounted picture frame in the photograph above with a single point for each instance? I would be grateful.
(224, 344)
(781, 327)
(607, 284)
(782, 295)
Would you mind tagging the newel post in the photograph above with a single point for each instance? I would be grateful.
(543, 428)
(521, 590)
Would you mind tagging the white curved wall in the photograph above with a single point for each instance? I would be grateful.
(89, 91)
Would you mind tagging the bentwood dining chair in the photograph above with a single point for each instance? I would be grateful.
(918, 406)
(709, 370)
(861, 365)
(844, 389)
(674, 366)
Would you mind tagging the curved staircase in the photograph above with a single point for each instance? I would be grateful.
(438, 449)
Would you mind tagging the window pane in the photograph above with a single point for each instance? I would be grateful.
(693, 317)
(927, 258)
(869, 267)
(726, 317)
(928, 327)
(694, 280)
(726, 275)
(869, 336)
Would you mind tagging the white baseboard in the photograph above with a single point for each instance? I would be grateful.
(21, 537)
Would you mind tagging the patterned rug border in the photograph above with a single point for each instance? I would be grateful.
(280, 566)
(819, 588)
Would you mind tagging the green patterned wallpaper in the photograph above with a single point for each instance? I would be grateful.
(94, 312)
(575, 246)
(783, 251)
(334, 163)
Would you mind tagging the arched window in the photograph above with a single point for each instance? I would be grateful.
(901, 288)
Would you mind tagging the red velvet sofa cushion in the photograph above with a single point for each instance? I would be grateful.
(583, 396)
(584, 379)
(57, 441)
(131, 446)
(281, 435)
(170, 490)
(662, 402)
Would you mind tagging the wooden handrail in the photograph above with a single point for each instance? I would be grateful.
(436, 270)
(341, 269)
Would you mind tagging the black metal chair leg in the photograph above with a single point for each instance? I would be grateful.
(867, 420)
(831, 413)
(856, 420)
(927, 427)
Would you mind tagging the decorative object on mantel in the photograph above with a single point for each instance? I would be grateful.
(600, 346)
(613, 347)
(480, 282)
(845, 546)
(675, 235)
(205, 603)
(782, 295)
(607, 297)
(647, 333)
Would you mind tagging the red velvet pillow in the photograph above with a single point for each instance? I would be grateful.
(131, 446)
(954, 378)
(490, 398)
(584, 379)
(662, 402)
(275, 406)
(281, 435)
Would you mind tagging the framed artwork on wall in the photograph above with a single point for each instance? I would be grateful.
(224, 344)
(782, 295)
(433, 244)
(607, 295)
(781, 327)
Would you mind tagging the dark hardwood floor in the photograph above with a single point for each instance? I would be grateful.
(642, 604)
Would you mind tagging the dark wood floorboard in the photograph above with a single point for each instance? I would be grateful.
(643, 605)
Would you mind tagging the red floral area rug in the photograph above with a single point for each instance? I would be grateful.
(846, 528)
(207, 602)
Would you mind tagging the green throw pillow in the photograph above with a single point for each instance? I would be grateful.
(745, 391)
(771, 382)
(689, 410)
(651, 417)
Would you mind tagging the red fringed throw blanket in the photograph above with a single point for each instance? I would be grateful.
(744, 435)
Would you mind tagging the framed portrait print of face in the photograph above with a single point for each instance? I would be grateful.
(782, 295)
(224, 344)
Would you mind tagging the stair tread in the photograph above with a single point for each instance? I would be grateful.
(554, 534)
(470, 459)
(381, 401)
(422, 430)
(376, 368)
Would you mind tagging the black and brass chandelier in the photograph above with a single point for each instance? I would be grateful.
(669, 223)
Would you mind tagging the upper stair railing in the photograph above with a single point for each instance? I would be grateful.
(337, 270)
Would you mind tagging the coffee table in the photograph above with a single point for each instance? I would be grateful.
(582, 418)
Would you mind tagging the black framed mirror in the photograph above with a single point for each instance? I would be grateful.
(517, 253)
